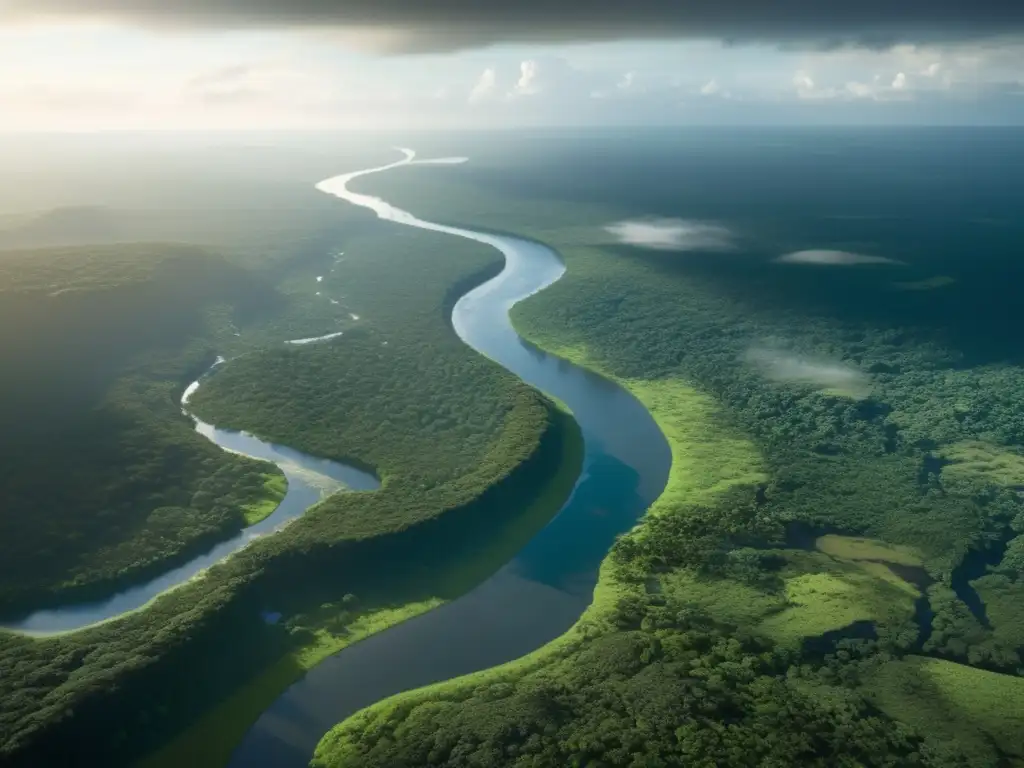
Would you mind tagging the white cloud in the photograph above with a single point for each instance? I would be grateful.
(803, 81)
(484, 87)
(558, 81)
(832, 258)
(55, 77)
(629, 85)
(528, 83)
(710, 88)
(672, 235)
(819, 373)
(806, 88)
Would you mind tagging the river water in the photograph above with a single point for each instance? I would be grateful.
(544, 589)
(309, 480)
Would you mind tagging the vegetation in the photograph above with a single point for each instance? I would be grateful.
(826, 580)
(473, 463)
(646, 676)
(104, 339)
(968, 709)
(858, 549)
(710, 621)
(977, 460)
(276, 487)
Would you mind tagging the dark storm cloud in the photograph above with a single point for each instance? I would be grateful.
(412, 25)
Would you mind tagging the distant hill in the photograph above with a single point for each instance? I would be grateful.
(72, 319)
(61, 226)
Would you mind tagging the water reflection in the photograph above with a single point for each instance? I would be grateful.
(606, 502)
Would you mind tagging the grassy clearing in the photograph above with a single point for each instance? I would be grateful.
(994, 702)
(970, 707)
(823, 595)
(978, 460)
(276, 486)
(856, 548)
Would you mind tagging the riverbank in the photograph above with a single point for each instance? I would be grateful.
(209, 742)
(708, 460)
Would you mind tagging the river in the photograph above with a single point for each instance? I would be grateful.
(309, 480)
(544, 589)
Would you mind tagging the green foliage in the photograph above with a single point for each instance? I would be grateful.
(103, 480)
(864, 467)
(396, 386)
(828, 597)
(473, 464)
(868, 468)
(857, 548)
(1002, 596)
(972, 710)
(980, 461)
(651, 697)
(275, 487)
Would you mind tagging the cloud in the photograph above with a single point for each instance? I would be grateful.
(417, 25)
(485, 86)
(672, 235)
(806, 88)
(554, 78)
(832, 258)
(529, 73)
(710, 88)
(819, 373)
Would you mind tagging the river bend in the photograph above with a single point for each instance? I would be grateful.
(544, 589)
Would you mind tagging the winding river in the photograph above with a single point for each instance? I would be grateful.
(531, 600)
(544, 589)
(309, 480)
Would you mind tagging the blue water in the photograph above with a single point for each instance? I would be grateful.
(545, 588)
(309, 480)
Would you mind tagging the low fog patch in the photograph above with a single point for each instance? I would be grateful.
(833, 258)
(672, 235)
(820, 373)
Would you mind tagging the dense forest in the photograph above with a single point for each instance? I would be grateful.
(472, 462)
(103, 479)
(856, 604)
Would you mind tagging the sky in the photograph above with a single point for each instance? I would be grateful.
(91, 65)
